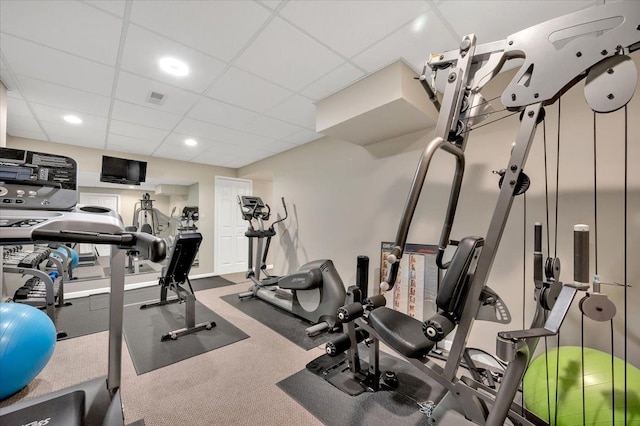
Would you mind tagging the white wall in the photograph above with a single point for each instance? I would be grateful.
(345, 199)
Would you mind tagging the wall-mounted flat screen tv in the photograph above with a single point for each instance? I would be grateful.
(123, 171)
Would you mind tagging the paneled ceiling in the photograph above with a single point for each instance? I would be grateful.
(256, 68)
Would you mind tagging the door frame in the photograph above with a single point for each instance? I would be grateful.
(216, 263)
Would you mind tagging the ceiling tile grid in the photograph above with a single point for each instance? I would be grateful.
(256, 68)
(57, 67)
(70, 26)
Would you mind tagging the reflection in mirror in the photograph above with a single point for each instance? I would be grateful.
(165, 212)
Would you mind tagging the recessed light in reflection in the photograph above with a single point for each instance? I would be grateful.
(419, 23)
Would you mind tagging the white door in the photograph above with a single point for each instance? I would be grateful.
(110, 201)
(231, 245)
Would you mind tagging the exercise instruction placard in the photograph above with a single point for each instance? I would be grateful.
(416, 287)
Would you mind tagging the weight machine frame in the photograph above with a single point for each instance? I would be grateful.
(557, 54)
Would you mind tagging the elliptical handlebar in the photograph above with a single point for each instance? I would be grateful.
(286, 214)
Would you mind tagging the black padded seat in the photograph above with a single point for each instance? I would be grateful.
(402, 332)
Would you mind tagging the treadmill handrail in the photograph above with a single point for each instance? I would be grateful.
(156, 247)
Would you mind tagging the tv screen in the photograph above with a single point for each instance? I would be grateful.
(121, 170)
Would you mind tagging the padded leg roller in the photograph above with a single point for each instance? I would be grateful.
(437, 327)
(350, 312)
(342, 343)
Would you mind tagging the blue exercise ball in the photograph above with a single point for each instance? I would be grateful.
(75, 258)
(27, 341)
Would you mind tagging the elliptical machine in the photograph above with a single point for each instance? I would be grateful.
(314, 292)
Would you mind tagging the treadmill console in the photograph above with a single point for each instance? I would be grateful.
(37, 181)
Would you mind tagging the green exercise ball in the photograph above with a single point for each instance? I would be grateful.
(598, 388)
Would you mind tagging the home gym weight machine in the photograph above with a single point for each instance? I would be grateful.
(314, 292)
(147, 218)
(51, 215)
(591, 44)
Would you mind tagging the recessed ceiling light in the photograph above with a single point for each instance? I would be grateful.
(132, 187)
(419, 23)
(174, 66)
(73, 119)
(190, 142)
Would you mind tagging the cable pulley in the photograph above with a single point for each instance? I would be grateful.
(520, 186)
(552, 268)
(610, 84)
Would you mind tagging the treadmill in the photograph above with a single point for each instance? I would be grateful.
(38, 195)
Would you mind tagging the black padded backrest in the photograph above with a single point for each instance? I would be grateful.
(185, 248)
(455, 284)
(146, 228)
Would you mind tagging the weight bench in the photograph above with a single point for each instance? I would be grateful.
(174, 276)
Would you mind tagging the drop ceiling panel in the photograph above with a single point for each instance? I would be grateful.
(207, 131)
(302, 137)
(219, 28)
(272, 147)
(18, 107)
(240, 88)
(273, 4)
(502, 18)
(122, 128)
(245, 160)
(135, 89)
(287, 56)
(296, 110)
(116, 7)
(14, 94)
(144, 49)
(7, 78)
(272, 128)
(64, 97)
(54, 115)
(227, 149)
(335, 80)
(26, 133)
(414, 43)
(131, 144)
(69, 134)
(214, 158)
(216, 112)
(354, 25)
(71, 26)
(22, 122)
(36, 61)
(174, 147)
(149, 117)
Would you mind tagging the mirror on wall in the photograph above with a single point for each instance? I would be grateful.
(166, 212)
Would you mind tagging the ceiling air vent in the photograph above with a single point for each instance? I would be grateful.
(156, 98)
